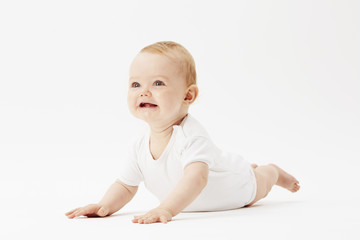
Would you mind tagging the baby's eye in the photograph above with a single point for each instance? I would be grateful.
(158, 83)
(135, 85)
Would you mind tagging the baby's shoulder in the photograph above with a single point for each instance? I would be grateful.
(192, 135)
(192, 128)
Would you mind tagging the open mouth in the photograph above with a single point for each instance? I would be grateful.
(147, 105)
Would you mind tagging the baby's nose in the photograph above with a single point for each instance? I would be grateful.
(145, 93)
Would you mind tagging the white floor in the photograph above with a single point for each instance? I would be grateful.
(282, 215)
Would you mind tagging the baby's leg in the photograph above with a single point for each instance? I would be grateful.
(270, 175)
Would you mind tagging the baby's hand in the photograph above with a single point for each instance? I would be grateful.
(91, 210)
(153, 216)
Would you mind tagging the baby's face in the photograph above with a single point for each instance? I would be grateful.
(157, 88)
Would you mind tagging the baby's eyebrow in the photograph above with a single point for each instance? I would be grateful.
(134, 79)
(160, 76)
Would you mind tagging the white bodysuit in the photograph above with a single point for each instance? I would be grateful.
(231, 182)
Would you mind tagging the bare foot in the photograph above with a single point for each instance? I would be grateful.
(254, 165)
(287, 181)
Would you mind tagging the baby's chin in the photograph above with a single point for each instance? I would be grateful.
(147, 115)
(153, 116)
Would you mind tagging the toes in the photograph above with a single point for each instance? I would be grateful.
(254, 165)
(295, 188)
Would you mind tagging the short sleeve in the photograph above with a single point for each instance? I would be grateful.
(130, 173)
(199, 149)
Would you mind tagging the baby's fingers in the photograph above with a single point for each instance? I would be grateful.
(140, 219)
(147, 219)
(89, 210)
(163, 219)
(70, 214)
(136, 219)
(79, 212)
(151, 220)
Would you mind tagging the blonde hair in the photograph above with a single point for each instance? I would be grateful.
(175, 51)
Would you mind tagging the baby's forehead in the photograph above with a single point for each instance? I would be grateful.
(156, 63)
(172, 57)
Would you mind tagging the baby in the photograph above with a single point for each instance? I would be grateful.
(176, 158)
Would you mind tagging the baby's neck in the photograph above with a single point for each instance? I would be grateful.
(162, 132)
(159, 138)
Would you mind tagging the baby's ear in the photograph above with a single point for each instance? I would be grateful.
(191, 94)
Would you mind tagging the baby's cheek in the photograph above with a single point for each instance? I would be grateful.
(131, 101)
(174, 108)
(176, 101)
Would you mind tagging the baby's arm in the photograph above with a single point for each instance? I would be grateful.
(189, 187)
(114, 199)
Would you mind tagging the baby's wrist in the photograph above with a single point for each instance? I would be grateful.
(168, 210)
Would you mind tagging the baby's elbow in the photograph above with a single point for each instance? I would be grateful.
(204, 181)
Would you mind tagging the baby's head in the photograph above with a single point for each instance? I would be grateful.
(178, 54)
(162, 83)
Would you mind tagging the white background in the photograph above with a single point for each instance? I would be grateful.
(279, 82)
